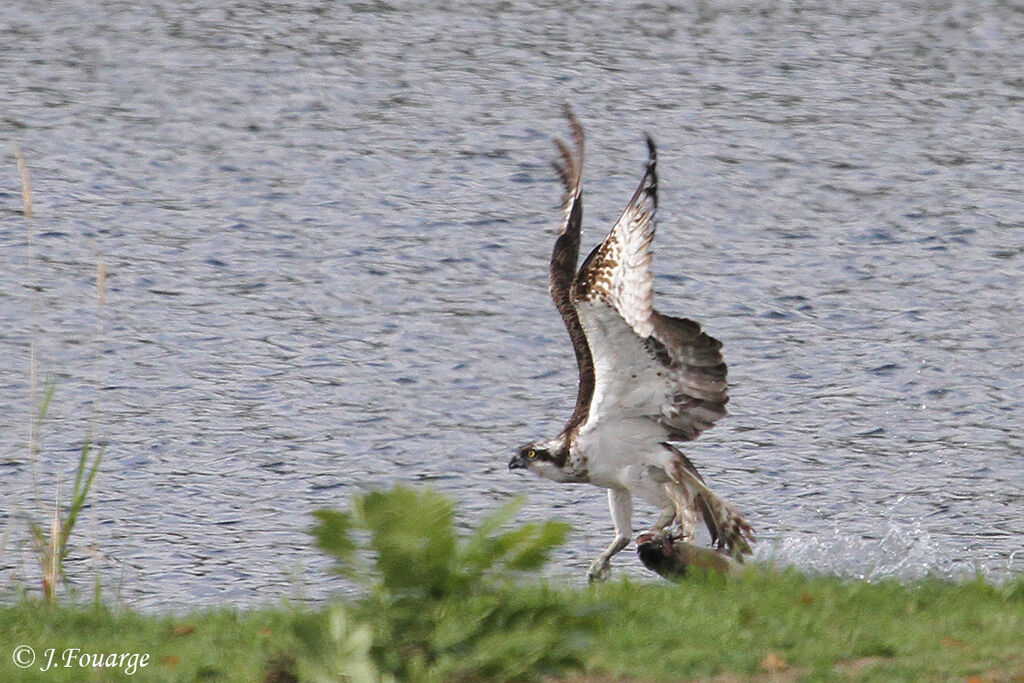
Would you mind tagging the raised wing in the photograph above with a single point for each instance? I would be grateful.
(562, 270)
(618, 271)
(646, 364)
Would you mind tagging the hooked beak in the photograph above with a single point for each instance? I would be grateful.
(518, 462)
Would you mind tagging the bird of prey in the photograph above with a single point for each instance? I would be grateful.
(645, 379)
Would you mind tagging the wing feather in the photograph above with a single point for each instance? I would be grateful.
(647, 364)
(618, 271)
(564, 256)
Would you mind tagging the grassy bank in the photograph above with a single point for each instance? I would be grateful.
(438, 605)
(792, 626)
(209, 645)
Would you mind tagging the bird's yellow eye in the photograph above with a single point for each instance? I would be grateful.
(531, 454)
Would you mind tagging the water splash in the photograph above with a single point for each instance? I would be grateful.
(906, 552)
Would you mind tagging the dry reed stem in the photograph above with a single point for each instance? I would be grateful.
(26, 201)
(101, 281)
(51, 570)
(26, 182)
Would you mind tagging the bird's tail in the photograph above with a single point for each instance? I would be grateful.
(729, 531)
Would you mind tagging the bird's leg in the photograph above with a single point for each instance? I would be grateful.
(682, 510)
(621, 505)
(668, 514)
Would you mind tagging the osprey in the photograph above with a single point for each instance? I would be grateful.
(645, 379)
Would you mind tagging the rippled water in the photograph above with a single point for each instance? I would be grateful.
(325, 229)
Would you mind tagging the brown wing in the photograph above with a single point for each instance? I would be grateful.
(563, 262)
(646, 363)
(697, 376)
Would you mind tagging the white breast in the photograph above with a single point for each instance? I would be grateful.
(614, 448)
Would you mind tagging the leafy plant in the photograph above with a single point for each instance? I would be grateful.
(441, 606)
(336, 647)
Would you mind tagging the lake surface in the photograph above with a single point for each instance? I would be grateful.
(325, 228)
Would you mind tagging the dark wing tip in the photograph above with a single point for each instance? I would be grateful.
(575, 126)
(649, 184)
(570, 160)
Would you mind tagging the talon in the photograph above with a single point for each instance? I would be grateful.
(598, 572)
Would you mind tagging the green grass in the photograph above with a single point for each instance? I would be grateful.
(439, 605)
(816, 628)
(807, 628)
(51, 541)
(206, 645)
(442, 606)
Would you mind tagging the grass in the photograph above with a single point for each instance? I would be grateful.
(819, 628)
(51, 538)
(51, 543)
(788, 625)
(207, 645)
(437, 605)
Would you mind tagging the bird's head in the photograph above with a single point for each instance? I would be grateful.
(543, 458)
